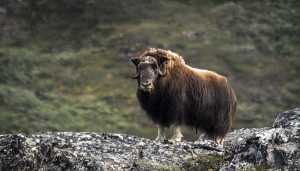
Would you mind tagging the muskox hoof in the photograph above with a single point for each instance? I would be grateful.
(175, 140)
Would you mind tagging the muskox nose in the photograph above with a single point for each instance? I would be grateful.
(146, 84)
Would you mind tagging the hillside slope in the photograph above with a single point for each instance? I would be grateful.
(64, 64)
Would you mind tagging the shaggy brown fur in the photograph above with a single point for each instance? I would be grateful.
(184, 95)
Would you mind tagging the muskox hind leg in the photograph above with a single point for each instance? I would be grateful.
(177, 136)
(161, 134)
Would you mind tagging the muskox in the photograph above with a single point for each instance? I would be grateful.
(173, 93)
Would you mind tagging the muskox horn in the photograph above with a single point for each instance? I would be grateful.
(135, 76)
(162, 73)
(135, 61)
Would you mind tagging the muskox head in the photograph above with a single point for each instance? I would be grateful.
(148, 71)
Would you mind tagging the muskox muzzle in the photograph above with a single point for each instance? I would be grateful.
(146, 86)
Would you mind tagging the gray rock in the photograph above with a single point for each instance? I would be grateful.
(275, 148)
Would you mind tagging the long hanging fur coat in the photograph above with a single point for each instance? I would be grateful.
(194, 97)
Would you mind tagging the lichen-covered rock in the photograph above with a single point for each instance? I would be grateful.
(85, 151)
(276, 147)
(244, 149)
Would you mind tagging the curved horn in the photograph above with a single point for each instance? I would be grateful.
(135, 76)
(135, 61)
(162, 73)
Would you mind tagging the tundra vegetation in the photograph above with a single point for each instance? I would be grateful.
(64, 64)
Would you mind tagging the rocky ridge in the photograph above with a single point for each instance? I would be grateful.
(274, 148)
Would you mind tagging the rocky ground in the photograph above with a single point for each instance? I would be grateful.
(274, 148)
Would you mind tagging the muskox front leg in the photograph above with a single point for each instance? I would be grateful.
(161, 134)
(220, 140)
(177, 136)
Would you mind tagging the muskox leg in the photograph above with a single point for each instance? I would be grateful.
(177, 136)
(161, 134)
(220, 140)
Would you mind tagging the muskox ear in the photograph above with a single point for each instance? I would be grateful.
(135, 60)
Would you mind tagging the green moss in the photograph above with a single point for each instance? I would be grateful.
(144, 165)
(205, 162)
(262, 168)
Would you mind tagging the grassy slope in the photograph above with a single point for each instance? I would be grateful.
(68, 74)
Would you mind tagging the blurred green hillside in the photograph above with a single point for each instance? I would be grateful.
(64, 64)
